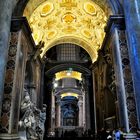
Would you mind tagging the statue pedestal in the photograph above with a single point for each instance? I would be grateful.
(9, 137)
(130, 136)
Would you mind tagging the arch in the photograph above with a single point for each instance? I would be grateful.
(77, 41)
(68, 74)
(66, 90)
(62, 67)
(29, 6)
(69, 94)
(51, 49)
(78, 21)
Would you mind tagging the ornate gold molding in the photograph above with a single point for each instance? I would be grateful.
(66, 74)
(81, 22)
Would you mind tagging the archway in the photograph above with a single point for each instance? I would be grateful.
(66, 78)
(65, 31)
(91, 41)
(56, 22)
(64, 22)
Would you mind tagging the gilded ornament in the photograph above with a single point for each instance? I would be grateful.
(47, 9)
(64, 74)
(49, 24)
(68, 4)
(100, 15)
(89, 8)
(86, 33)
(69, 29)
(87, 22)
(79, 13)
(37, 36)
(78, 25)
(51, 34)
(82, 20)
(57, 13)
(68, 18)
(33, 21)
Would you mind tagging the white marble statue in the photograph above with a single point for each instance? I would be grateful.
(31, 124)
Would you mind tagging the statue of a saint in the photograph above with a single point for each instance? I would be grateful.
(27, 117)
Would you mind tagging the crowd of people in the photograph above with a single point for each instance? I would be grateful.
(103, 134)
(108, 134)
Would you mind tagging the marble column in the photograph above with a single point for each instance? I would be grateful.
(13, 87)
(87, 104)
(5, 21)
(58, 114)
(94, 99)
(84, 119)
(132, 19)
(124, 82)
(80, 104)
(53, 111)
(42, 84)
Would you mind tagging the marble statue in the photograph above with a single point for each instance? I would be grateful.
(42, 118)
(31, 124)
(27, 122)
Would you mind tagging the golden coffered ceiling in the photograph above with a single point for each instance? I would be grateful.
(80, 22)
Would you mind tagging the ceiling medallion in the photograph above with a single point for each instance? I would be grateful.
(68, 18)
(89, 8)
(82, 20)
(47, 9)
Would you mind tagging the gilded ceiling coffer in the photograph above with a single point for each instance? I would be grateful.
(80, 22)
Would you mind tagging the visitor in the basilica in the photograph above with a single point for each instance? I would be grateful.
(117, 134)
(109, 134)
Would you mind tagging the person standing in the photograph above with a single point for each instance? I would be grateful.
(117, 134)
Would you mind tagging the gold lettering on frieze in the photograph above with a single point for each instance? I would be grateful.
(68, 4)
